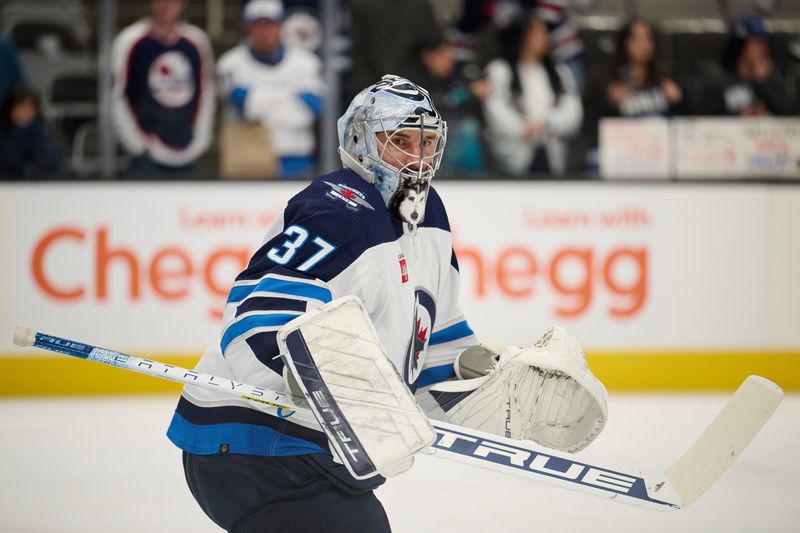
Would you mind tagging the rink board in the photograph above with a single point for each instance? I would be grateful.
(662, 371)
(668, 286)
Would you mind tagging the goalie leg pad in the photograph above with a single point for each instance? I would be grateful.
(366, 410)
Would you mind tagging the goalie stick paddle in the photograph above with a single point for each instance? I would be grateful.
(337, 428)
(674, 488)
(371, 418)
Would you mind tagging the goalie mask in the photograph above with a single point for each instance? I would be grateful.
(393, 137)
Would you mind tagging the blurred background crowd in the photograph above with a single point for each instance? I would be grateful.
(177, 89)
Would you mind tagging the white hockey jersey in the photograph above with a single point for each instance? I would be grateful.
(274, 94)
(334, 238)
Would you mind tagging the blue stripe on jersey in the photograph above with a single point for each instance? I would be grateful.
(281, 286)
(435, 374)
(254, 321)
(451, 333)
(239, 437)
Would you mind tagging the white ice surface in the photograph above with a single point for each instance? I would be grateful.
(104, 465)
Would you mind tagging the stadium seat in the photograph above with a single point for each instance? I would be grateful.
(69, 101)
(49, 40)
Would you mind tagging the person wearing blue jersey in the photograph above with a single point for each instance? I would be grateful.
(375, 229)
(163, 93)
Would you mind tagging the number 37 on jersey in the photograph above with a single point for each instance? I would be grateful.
(297, 238)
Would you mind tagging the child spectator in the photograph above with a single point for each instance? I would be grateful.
(25, 148)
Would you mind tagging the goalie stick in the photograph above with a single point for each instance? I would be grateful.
(674, 488)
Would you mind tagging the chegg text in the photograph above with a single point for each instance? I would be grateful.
(574, 274)
(170, 273)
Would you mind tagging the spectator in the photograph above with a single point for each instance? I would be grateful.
(566, 45)
(750, 84)
(457, 91)
(387, 36)
(163, 91)
(25, 147)
(10, 69)
(634, 86)
(486, 21)
(533, 104)
(279, 86)
(637, 86)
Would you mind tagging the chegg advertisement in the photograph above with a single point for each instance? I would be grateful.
(632, 268)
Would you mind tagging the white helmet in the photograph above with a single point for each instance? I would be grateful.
(393, 137)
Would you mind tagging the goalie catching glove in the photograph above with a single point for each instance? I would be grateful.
(544, 393)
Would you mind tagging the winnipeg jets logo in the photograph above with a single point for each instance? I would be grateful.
(171, 80)
(424, 319)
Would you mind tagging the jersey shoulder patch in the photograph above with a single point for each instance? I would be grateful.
(344, 195)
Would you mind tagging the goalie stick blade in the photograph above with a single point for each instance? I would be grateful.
(724, 439)
(677, 487)
(528, 460)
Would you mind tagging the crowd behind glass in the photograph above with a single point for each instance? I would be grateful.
(521, 83)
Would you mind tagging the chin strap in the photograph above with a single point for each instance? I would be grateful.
(353, 164)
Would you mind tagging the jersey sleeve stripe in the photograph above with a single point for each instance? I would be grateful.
(451, 333)
(246, 323)
(281, 287)
(264, 345)
(435, 374)
(270, 303)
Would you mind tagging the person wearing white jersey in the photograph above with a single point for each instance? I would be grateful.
(375, 229)
(279, 86)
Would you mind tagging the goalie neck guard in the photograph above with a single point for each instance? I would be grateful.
(393, 137)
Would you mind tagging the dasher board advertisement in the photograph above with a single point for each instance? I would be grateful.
(146, 267)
